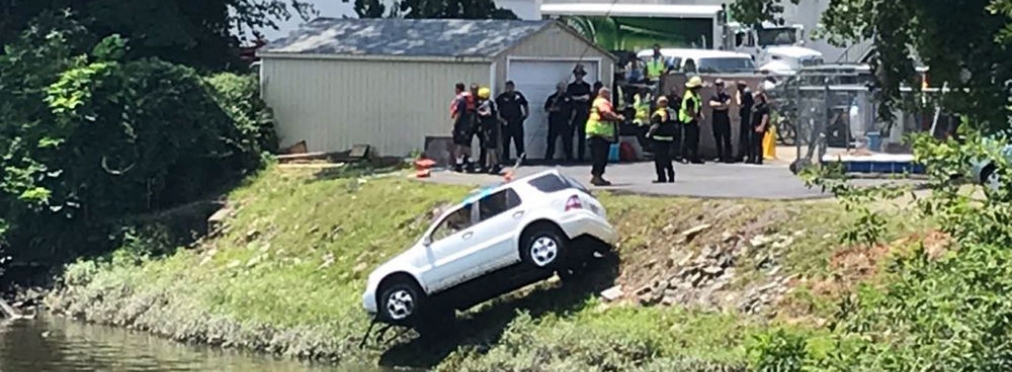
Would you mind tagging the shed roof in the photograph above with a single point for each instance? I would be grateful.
(405, 37)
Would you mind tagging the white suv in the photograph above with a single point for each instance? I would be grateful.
(532, 224)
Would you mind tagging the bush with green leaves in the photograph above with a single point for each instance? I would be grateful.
(939, 311)
(88, 137)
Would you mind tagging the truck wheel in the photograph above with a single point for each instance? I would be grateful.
(401, 302)
(544, 247)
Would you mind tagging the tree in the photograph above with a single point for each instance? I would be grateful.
(964, 43)
(463, 9)
(197, 33)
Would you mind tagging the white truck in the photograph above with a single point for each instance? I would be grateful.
(634, 27)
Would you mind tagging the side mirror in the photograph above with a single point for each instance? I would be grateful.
(427, 241)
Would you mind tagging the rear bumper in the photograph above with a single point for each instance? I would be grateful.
(586, 223)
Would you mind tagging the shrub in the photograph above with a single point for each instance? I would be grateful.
(942, 311)
(88, 138)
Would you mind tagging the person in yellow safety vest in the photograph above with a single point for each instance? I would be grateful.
(663, 127)
(656, 65)
(690, 114)
(641, 102)
(601, 133)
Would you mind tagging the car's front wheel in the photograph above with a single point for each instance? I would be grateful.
(401, 302)
(544, 247)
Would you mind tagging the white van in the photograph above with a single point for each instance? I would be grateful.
(703, 60)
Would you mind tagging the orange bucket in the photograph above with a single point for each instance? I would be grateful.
(423, 167)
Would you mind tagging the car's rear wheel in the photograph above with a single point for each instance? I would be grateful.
(544, 247)
(401, 302)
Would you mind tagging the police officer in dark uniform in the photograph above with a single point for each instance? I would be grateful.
(558, 108)
(580, 96)
(514, 109)
(720, 102)
(744, 101)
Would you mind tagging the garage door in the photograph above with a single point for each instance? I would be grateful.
(537, 80)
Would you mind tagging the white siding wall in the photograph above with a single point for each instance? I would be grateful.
(555, 43)
(391, 105)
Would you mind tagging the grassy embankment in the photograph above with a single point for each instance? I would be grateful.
(286, 272)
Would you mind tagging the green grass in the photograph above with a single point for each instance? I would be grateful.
(286, 274)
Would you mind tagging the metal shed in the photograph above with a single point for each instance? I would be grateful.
(388, 83)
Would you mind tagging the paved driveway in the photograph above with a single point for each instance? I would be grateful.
(737, 181)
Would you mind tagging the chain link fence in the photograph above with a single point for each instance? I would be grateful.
(824, 111)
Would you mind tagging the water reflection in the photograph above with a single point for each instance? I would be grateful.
(56, 345)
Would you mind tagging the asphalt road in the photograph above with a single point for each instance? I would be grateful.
(712, 180)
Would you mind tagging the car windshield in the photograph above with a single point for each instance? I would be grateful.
(726, 64)
(777, 36)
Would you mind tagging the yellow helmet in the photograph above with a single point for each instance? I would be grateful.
(694, 82)
(484, 93)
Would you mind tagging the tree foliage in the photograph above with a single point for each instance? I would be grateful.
(463, 9)
(88, 136)
(203, 34)
(964, 43)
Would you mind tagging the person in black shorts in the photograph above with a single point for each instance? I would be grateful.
(489, 128)
(462, 127)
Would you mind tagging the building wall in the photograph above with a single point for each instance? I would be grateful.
(391, 105)
(555, 43)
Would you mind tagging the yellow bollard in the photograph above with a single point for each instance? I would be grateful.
(770, 144)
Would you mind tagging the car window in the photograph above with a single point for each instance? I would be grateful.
(497, 203)
(726, 64)
(454, 222)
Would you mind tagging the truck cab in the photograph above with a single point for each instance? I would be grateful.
(776, 49)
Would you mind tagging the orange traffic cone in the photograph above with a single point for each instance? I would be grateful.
(423, 167)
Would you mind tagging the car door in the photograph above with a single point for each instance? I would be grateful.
(447, 249)
(494, 243)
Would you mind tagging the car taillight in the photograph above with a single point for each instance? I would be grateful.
(573, 203)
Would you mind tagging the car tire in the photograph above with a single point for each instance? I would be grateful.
(544, 248)
(401, 302)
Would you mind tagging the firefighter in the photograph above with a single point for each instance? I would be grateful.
(662, 132)
(690, 114)
(601, 133)
(489, 127)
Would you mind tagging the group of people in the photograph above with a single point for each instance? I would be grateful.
(496, 123)
(671, 127)
(674, 131)
(499, 123)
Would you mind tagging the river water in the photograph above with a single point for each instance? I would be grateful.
(57, 345)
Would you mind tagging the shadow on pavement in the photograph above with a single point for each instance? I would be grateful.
(484, 326)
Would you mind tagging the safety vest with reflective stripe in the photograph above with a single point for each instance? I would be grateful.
(595, 126)
(683, 112)
(642, 106)
(666, 130)
(655, 67)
